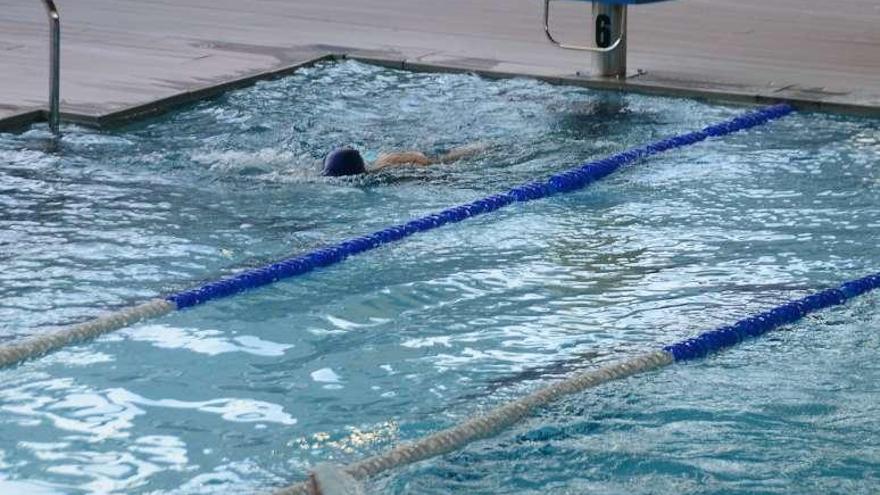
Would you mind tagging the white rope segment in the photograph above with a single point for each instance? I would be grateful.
(37, 345)
(480, 426)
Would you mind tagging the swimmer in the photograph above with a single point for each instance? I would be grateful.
(348, 161)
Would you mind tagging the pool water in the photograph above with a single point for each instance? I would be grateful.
(244, 394)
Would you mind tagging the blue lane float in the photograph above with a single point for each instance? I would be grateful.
(570, 180)
(755, 326)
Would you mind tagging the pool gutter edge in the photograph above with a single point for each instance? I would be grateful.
(20, 119)
(636, 84)
(128, 114)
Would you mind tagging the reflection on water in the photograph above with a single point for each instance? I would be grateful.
(244, 394)
(210, 342)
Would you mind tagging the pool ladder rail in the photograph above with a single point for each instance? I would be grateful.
(54, 116)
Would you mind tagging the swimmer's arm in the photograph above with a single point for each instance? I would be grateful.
(461, 152)
(401, 158)
(418, 158)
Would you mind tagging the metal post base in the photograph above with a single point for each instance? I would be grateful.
(609, 25)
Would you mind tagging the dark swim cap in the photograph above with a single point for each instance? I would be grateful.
(343, 161)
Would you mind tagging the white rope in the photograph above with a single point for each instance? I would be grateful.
(481, 426)
(37, 345)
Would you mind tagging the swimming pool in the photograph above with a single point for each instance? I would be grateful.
(245, 393)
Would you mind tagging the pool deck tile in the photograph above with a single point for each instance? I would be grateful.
(119, 57)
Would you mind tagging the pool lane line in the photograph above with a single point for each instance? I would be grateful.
(570, 180)
(38, 345)
(501, 417)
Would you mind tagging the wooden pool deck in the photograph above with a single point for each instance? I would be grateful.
(123, 58)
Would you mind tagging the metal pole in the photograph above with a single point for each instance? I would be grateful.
(609, 22)
(54, 66)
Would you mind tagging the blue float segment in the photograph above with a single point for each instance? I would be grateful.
(569, 180)
(754, 326)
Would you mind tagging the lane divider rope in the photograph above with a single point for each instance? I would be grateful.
(569, 180)
(38, 345)
(335, 480)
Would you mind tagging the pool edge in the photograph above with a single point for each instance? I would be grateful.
(707, 91)
(20, 119)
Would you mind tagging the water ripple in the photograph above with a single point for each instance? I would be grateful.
(246, 393)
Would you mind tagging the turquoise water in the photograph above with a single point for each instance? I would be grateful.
(244, 394)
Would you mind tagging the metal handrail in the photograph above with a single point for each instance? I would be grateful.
(550, 37)
(54, 66)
